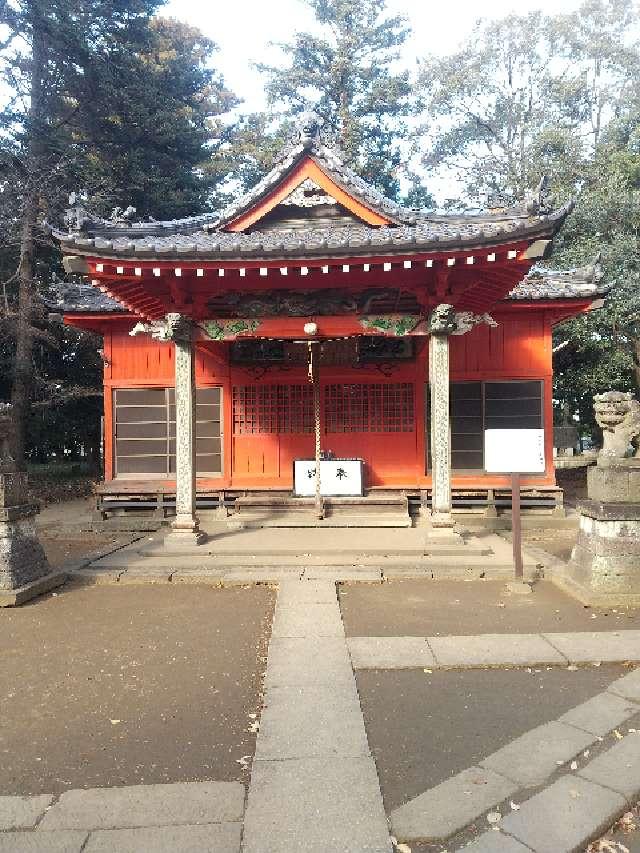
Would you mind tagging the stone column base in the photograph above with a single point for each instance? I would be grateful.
(441, 526)
(185, 533)
(22, 558)
(604, 568)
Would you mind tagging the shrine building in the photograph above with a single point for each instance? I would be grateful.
(315, 319)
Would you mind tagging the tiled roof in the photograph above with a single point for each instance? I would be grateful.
(67, 297)
(431, 234)
(579, 283)
(409, 229)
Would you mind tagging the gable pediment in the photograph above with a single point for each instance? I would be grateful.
(307, 187)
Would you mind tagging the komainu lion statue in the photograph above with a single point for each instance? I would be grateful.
(618, 414)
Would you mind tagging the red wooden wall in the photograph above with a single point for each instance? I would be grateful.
(518, 348)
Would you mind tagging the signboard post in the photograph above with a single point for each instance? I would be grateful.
(515, 452)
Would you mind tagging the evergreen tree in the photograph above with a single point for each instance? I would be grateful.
(346, 72)
(106, 97)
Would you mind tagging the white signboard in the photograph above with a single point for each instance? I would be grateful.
(338, 477)
(514, 451)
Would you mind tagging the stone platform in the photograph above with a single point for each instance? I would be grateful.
(269, 554)
(605, 564)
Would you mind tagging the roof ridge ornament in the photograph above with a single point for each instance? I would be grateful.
(76, 216)
(309, 125)
(123, 216)
(539, 200)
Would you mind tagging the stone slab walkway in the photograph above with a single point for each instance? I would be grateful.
(190, 817)
(487, 650)
(550, 820)
(314, 785)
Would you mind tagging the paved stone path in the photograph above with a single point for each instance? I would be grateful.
(191, 817)
(531, 760)
(487, 650)
(314, 785)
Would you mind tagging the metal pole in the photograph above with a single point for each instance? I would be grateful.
(516, 526)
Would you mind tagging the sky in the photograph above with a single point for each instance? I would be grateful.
(243, 29)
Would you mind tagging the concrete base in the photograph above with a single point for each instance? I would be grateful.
(182, 541)
(15, 597)
(604, 568)
(22, 558)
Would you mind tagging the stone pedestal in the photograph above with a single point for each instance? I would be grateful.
(24, 571)
(605, 564)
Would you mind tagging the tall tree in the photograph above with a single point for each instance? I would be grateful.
(151, 128)
(527, 95)
(100, 95)
(532, 95)
(346, 70)
(601, 350)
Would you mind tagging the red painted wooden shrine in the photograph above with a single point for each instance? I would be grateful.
(312, 244)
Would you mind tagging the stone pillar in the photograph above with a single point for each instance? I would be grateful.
(440, 440)
(441, 324)
(185, 528)
(24, 571)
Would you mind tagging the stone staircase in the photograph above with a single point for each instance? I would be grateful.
(388, 552)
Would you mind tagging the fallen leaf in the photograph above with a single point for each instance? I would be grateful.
(494, 817)
(617, 734)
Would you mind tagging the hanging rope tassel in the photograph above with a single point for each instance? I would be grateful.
(314, 357)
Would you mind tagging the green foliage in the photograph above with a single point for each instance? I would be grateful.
(346, 73)
(532, 95)
(129, 108)
(528, 95)
(604, 346)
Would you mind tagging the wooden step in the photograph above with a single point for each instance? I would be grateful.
(282, 518)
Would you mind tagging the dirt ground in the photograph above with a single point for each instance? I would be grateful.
(105, 686)
(557, 542)
(424, 727)
(70, 547)
(425, 608)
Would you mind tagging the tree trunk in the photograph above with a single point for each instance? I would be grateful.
(22, 390)
(636, 362)
(23, 366)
